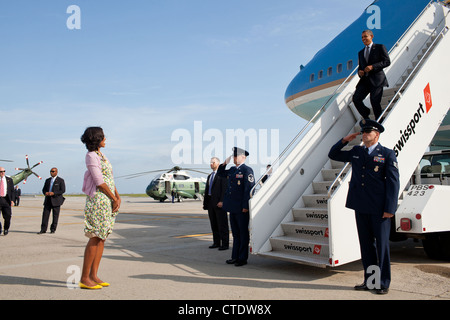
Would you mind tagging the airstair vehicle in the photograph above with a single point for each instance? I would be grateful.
(299, 214)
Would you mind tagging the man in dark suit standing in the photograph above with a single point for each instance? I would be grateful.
(373, 194)
(53, 190)
(7, 197)
(236, 201)
(372, 60)
(213, 202)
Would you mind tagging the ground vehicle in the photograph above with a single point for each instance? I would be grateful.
(424, 212)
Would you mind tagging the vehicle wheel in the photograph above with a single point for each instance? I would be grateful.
(437, 245)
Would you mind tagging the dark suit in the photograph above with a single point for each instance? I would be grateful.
(373, 190)
(240, 181)
(373, 82)
(5, 203)
(217, 216)
(52, 202)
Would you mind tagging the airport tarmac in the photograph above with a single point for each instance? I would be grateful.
(159, 251)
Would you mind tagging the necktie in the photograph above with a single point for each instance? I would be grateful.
(51, 184)
(366, 54)
(211, 182)
(2, 188)
(366, 150)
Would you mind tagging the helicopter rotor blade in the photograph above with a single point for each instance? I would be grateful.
(40, 178)
(174, 169)
(40, 162)
(196, 171)
(28, 162)
(6, 160)
(134, 175)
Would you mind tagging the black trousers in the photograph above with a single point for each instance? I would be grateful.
(6, 212)
(376, 94)
(373, 233)
(219, 225)
(241, 236)
(46, 215)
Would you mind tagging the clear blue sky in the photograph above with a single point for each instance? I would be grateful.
(146, 69)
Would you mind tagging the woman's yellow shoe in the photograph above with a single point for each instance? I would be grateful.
(83, 286)
(103, 284)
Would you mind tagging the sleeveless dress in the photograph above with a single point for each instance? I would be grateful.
(98, 216)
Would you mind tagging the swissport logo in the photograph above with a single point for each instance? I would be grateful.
(410, 129)
(427, 94)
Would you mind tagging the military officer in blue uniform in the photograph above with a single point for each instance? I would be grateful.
(373, 194)
(237, 195)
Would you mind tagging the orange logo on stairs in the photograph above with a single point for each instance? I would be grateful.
(428, 101)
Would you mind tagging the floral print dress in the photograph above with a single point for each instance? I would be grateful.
(98, 216)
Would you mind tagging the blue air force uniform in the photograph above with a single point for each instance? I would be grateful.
(373, 190)
(237, 195)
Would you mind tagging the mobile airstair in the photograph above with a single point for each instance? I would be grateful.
(299, 214)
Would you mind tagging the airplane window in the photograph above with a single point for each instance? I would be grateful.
(320, 75)
(339, 68)
(329, 71)
(349, 64)
(311, 77)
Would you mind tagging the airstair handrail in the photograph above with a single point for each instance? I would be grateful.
(419, 64)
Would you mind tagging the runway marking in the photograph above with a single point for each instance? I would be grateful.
(192, 235)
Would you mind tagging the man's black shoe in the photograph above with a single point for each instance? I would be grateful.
(382, 291)
(361, 287)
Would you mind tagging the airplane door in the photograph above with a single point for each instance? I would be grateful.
(197, 187)
(168, 189)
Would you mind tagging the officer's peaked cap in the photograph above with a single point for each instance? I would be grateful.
(238, 151)
(371, 124)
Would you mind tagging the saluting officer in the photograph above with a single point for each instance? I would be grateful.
(240, 181)
(373, 194)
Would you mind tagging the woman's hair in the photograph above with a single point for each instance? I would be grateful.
(92, 137)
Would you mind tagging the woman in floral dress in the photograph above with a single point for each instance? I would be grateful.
(102, 205)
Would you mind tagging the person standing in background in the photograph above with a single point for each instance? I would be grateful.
(213, 202)
(54, 188)
(17, 193)
(7, 198)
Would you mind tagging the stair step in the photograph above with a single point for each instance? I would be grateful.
(321, 262)
(331, 174)
(322, 186)
(307, 231)
(310, 215)
(301, 247)
(336, 164)
(316, 200)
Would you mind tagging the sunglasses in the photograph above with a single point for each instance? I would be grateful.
(3, 171)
